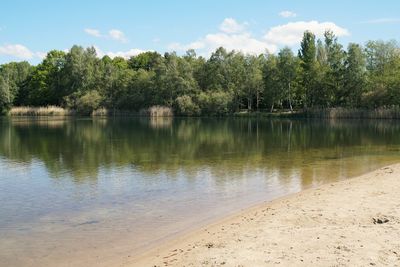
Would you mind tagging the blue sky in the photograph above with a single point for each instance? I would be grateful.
(28, 29)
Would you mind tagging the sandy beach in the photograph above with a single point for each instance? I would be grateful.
(355, 222)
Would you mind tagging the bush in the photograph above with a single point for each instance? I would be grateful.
(88, 102)
(215, 103)
(185, 106)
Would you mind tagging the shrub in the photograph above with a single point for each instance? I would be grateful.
(88, 102)
(215, 103)
(185, 106)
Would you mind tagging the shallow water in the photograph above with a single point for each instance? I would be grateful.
(83, 192)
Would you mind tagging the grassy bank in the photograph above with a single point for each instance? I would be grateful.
(161, 111)
(330, 113)
(344, 113)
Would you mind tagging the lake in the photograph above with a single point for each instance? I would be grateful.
(80, 192)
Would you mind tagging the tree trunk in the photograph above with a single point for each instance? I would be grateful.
(257, 100)
(249, 104)
(290, 100)
(272, 108)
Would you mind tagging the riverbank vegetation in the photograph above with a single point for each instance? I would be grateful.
(322, 75)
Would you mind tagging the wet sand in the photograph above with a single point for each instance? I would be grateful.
(355, 222)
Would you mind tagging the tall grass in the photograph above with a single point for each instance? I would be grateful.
(154, 111)
(40, 111)
(157, 111)
(101, 112)
(345, 113)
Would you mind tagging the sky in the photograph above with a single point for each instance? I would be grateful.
(29, 29)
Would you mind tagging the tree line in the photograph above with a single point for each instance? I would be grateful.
(322, 75)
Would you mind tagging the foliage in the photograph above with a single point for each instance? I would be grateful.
(322, 75)
(215, 103)
(89, 102)
(186, 106)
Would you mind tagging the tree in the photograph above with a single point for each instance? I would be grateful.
(383, 65)
(322, 74)
(81, 71)
(44, 85)
(307, 55)
(253, 84)
(287, 68)
(115, 78)
(272, 90)
(354, 75)
(140, 91)
(174, 78)
(147, 61)
(12, 78)
(333, 80)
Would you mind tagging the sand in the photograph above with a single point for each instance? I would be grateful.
(355, 222)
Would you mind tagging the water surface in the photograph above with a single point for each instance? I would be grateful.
(80, 192)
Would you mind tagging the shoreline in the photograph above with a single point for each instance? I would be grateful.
(332, 224)
(167, 112)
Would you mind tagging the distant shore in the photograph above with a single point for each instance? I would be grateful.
(355, 222)
(161, 111)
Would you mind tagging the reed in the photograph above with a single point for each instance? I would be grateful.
(345, 113)
(40, 111)
(101, 112)
(157, 111)
(154, 111)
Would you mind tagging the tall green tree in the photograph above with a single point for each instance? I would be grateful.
(307, 56)
(12, 78)
(333, 93)
(354, 76)
(273, 93)
(44, 86)
(383, 67)
(254, 83)
(287, 69)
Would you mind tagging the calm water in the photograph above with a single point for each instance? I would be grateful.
(95, 192)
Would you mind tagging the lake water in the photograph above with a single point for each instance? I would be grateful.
(82, 192)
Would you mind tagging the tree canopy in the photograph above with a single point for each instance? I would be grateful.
(322, 74)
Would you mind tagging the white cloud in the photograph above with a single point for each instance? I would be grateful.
(194, 45)
(232, 36)
(291, 33)
(93, 32)
(41, 55)
(287, 14)
(235, 36)
(117, 35)
(16, 50)
(229, 25)
(243, 42)
(382, 21)
(124, 54)
(112, 34)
